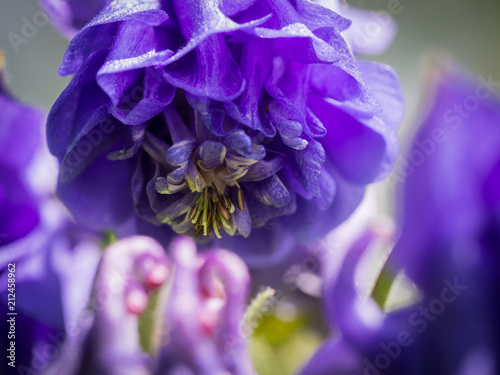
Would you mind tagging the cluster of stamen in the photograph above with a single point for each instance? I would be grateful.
(212, 211)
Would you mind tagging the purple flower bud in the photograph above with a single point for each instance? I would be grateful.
(204, 312)
(198, 315)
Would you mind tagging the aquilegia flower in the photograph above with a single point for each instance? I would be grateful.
(449, 247)
(217, 119)
(47, 263)
(454, 244)
(20, 134)
(201, 305)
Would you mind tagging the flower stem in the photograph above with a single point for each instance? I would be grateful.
(383, 285)
(257, 303)
(109, 238)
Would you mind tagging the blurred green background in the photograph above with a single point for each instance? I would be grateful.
(468, 30)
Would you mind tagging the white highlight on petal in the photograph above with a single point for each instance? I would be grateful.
(136, 301)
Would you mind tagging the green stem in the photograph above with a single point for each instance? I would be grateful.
(257, 303)
(148, 324)
(383, 285)
(109, 239)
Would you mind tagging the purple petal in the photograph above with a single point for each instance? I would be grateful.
(99, 197)
(235, 278)
(310, 161)
(190, 73)
(239, 142)
(89, 143)
(137, 134)
(290, 131)
(264, 169)
(290, 28)
(344, 83)
(335, 356)
(271, 192)
(43, 258)
(385, 87)
(289, 86)
(138, 45)
(99, 33)
(247, 109)
(265, 247)
(74, 107)
(352, 131)
(211, 112)
(201, 322)
(137, 95)
(18, 206)
(450, 189)
(176, 126)
(318, 16)
(180, 152)
(108, 342)
(20, 132)
(211, 154)
(298, 36)
(338, 200)
(139, 183)
(262, 213)
(230, 7)
(242, 219)
(204, 66)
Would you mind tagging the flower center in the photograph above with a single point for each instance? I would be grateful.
(212, 211)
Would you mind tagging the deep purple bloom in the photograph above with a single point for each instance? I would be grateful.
(55, 266)
(20, 134)
(449, 246)
(200, 307)
(35, 232)
(52, 260)
(217, 118)
(456, 240)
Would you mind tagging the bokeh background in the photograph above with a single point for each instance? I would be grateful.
(467, 30)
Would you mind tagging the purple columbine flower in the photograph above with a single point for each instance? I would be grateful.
(46, 262)
(20, 135)
(217, 119)
(448, 246)
(199, 309)
(454, 244)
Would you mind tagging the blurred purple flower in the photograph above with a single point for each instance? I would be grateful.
(20, 134)
(200, 307)
(456, 238)
(249, 118)
(70, 16)
(449, 246)
(53, 259)
(359, 326)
